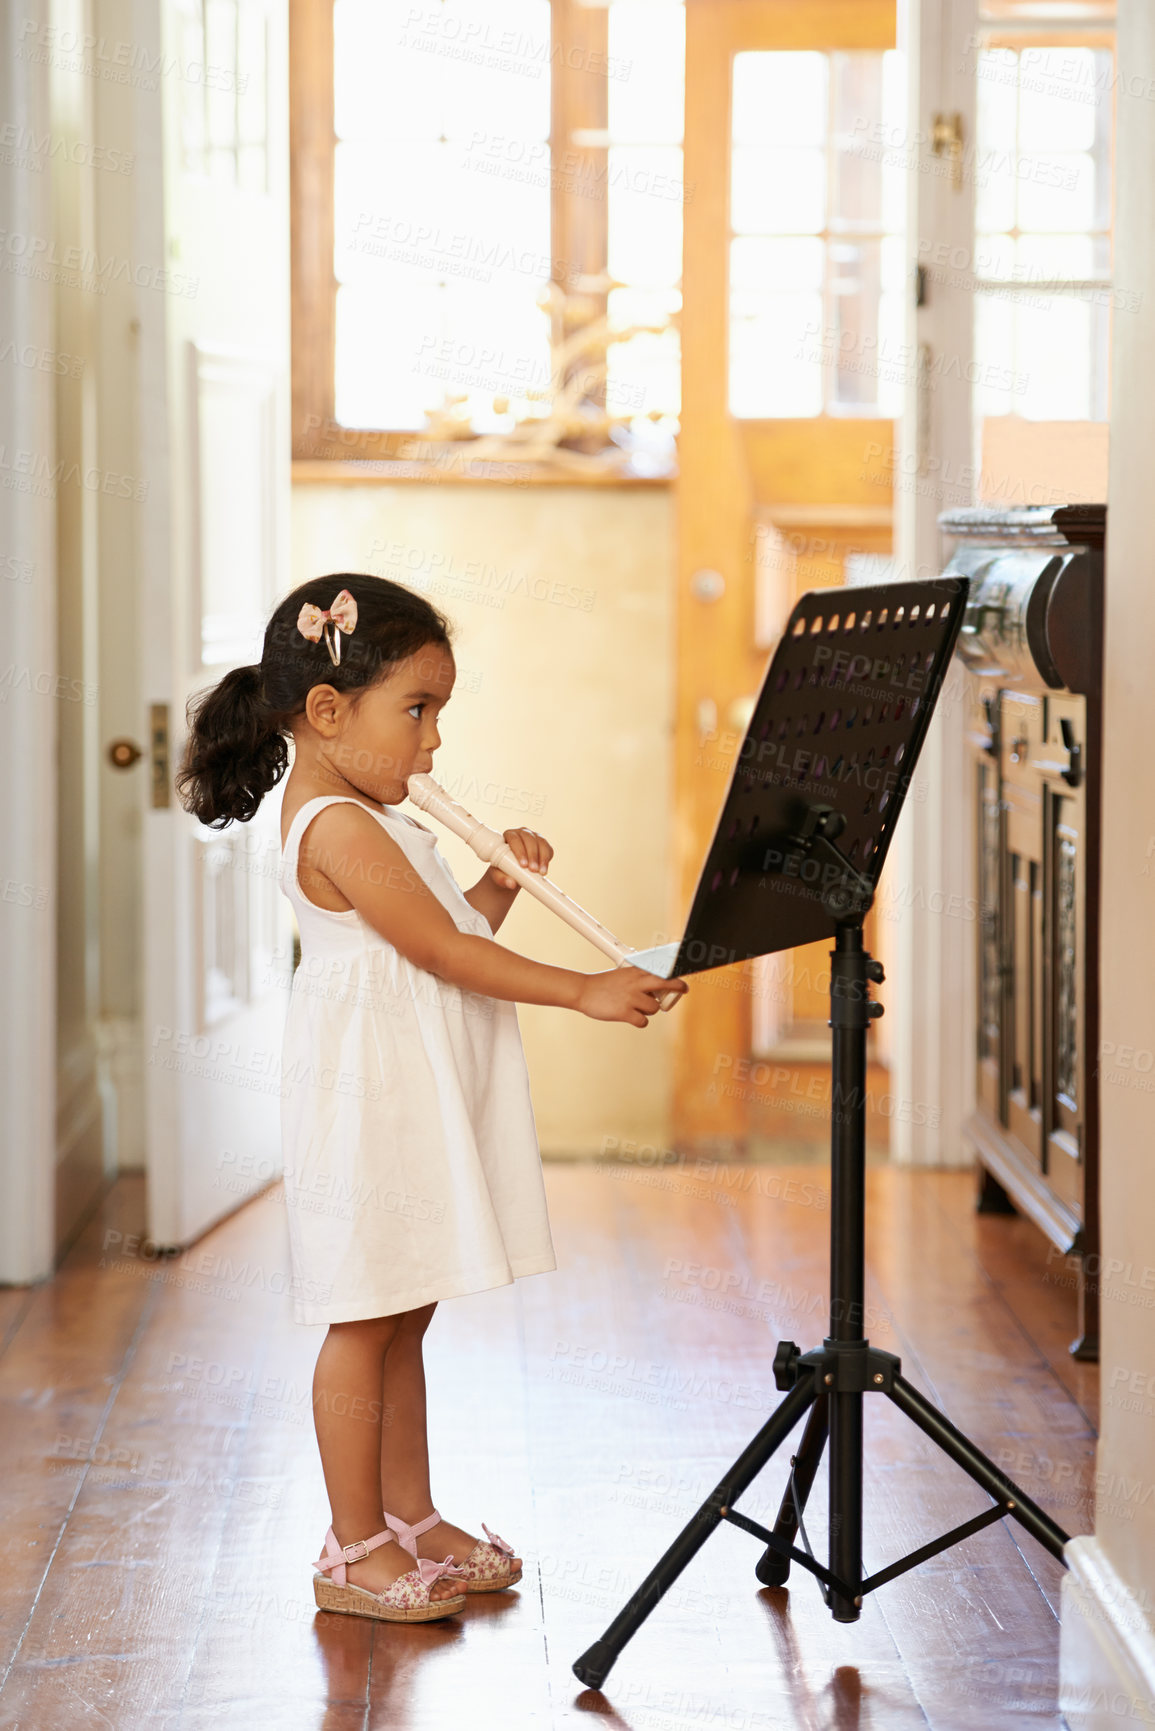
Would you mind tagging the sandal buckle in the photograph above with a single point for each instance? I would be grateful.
(355, 1552)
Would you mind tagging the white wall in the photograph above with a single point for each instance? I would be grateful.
(1109, 1598)
(561, 721)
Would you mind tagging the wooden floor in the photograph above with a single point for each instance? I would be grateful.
(163, 1499)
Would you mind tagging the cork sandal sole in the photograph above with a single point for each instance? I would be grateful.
(494, 1586)
(351, 1601)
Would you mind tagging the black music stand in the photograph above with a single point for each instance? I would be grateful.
(805, 827)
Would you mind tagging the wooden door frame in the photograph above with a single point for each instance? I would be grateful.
(715, 662)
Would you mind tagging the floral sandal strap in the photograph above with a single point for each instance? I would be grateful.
(336, 1556)
(487, 1563)
(406, 1535)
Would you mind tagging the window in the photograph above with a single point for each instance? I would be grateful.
(441, 209)
(476, 185)
(816, 215)
(644, 199)
(223, 112)
(1043, 231)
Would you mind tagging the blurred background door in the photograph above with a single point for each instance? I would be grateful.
(792, 375)
(214, 400)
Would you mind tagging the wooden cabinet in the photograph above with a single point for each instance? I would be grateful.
(1032, 640)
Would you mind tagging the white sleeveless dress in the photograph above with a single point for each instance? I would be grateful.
(412, 1168)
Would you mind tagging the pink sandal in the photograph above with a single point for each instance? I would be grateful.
(486, 1569)
(406, 1601)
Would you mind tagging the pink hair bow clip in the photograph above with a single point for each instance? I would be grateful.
(312, 622)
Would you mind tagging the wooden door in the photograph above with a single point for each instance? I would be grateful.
(214, 413)
(767, 506)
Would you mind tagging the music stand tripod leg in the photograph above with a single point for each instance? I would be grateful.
(851, 970)
(594, 1665)
(773, 1568)
(983, 1470)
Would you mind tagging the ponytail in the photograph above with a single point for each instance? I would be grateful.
(236, 751)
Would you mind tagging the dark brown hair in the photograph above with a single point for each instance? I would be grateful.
(237, 750)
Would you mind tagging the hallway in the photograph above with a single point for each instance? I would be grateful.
(163, 1497)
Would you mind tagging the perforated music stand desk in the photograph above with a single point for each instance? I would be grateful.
(805, 827)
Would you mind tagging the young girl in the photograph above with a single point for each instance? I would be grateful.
(412, 1170)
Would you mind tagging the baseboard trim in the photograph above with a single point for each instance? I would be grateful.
(1106, 1646)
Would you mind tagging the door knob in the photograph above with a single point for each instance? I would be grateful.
(123, 753)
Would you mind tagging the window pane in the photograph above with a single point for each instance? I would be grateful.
(384, 86)
(772, 371)
(995, 187)
(220, 92)
(640, 306)
(997, 93)
(647, 53)
(995, 257)
(894, 152)
(388, 338)
(894, 358)
(498, 347)
(777, 191)
(1056, 192)
(1053, 257)
(441, 215)
(414, 69)
(1043, 202)
(642, 375)
(994, 356)
(894, 267)
(1054, 326)
(412, 204)
(856, 286)
(404, 347)
(856, 103)
(776, 265)
(644, 216)
(780, 98)
(815, 275)
(1057, 99)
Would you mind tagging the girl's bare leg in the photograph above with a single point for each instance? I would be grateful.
(405, 1489)
(347, 1414)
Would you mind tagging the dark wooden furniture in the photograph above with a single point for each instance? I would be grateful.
(1033, 641)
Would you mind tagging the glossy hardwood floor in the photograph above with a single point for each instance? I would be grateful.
(163, 1501)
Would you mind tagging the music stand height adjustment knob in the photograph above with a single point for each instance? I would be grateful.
(875, 1010)
(874, 971)
(785, 1365)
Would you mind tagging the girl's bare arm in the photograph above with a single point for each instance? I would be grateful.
(348, 849)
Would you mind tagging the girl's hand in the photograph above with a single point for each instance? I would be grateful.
(531, 850)
(624, 995)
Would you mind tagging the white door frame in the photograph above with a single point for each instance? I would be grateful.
(216, 347)
(27, 697)
(930, 1003)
